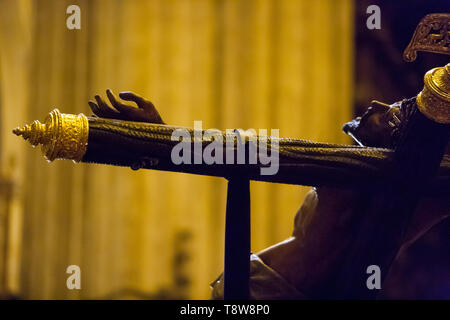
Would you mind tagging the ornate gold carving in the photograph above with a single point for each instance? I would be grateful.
(431, 35)
(434, 100)
(62, 136)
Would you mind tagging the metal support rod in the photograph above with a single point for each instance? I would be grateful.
(237, 240)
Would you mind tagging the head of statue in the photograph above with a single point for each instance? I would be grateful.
(380, 125)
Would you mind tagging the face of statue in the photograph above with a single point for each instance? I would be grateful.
(376, 128)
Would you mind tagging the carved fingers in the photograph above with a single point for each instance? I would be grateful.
(145, 111)
(102, 109)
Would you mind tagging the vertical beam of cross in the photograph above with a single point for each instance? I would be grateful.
(237, 240)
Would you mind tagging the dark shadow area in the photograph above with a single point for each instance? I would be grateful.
(423, 271)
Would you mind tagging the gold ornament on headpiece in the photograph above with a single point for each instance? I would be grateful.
(434, 100)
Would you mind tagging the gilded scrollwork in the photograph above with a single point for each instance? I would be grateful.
(431, 35)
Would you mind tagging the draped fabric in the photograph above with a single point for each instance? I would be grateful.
(283, 65)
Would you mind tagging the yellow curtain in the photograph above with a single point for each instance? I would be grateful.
(233, 64)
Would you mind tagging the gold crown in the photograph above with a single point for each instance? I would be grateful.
(62, 136)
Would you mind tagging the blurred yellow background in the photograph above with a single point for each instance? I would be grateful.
(233, 64)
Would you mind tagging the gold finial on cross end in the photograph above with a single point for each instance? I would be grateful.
(61, 136)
